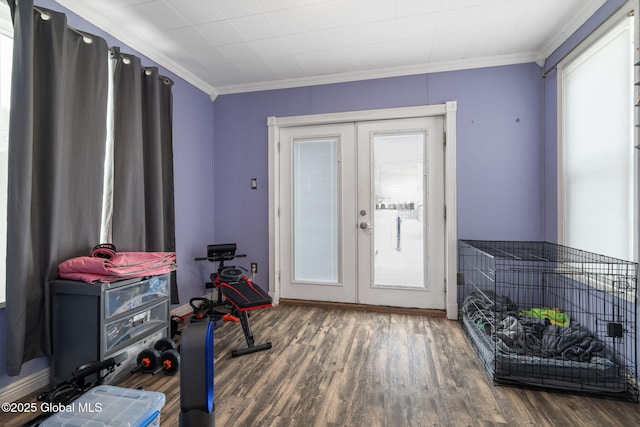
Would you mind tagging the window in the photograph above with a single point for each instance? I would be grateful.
(596, 156)
(6, 52)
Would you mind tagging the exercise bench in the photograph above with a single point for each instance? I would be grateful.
(240, 292)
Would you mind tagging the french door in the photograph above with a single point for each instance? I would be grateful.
(362, 212)
(318, 203)
(401, 213)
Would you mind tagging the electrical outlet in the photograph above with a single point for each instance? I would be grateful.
(254, 267)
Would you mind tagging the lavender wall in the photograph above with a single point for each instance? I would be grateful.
(499, 157)
(193, 163)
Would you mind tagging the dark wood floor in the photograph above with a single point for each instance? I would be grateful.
(339, 367)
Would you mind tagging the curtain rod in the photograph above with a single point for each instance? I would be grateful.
(44, 15)
(87, 38)
(553, 67)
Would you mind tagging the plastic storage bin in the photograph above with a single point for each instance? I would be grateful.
(135, 326)
(107, 405)
(85, 325)
(139, 293)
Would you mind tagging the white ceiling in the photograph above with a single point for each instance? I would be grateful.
(230, 46)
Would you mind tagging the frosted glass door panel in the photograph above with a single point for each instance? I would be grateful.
(316, 210)
(399, 228)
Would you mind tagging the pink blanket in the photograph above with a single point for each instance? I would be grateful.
(123, 265)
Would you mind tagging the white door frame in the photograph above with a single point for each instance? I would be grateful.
(447, 110)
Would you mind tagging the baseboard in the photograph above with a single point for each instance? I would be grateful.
(365, 307)
(25, 386)
(181, 311)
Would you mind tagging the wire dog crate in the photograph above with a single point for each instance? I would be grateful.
(546, 315)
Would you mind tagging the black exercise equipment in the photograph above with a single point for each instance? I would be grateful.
(175, 325)
(201, 308)
(205, 311)
(163, 357)
(240, 292)
(215, 253)
(220, 253)
(196, 376)
(164, 344)
(169, 362)
(230, 275)
(245, 296)
(62, 394)
(147, 361)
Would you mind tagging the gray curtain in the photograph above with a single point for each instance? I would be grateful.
(143, 202)
(157, 137)
(56, 151)
(166, 124)
(128, 223)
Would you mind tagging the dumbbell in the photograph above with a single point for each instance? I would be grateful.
(169, 357)
(164, 344)
(162, 357)
(169, 362)
(147, 361)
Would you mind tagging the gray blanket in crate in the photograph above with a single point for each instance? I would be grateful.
(498, 318)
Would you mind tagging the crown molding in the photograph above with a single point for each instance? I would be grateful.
(147, 49)
(571, 26)
(464, 64)
(91, 15)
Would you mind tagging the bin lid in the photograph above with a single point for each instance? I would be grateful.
(107, 405)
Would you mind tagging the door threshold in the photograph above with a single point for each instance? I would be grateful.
(365, 307)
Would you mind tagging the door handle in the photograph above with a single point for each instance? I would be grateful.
(366, 226)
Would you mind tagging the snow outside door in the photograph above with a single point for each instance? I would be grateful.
(362, 212)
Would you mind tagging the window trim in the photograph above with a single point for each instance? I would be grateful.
(6, 24)
(6, 29)
(630, 8)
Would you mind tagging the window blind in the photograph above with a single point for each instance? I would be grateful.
(597, 169)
